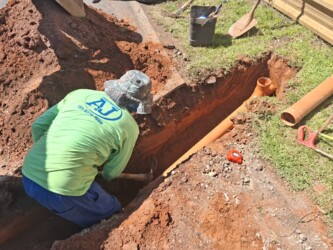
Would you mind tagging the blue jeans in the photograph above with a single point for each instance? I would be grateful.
(96, 204)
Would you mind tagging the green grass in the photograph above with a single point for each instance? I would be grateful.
(300, 166)
(272, 28)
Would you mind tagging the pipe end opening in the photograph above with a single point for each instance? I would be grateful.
(264, 82)
(288, 119)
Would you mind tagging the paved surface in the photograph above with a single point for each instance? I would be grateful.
(130, 11)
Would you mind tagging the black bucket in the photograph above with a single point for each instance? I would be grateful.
(202, 35)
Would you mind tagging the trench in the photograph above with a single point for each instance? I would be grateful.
(179, 119)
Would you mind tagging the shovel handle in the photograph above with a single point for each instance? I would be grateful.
(305, 132)
(254, 8)
(324, 153)
(328, 121)
(213, 14)
(251, 13)
(181, 8)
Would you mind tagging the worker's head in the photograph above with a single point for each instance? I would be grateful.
(131, 91)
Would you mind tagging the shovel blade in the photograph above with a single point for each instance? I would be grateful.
(73, 7)
(244, 24)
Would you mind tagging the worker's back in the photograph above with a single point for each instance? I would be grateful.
(73, 138)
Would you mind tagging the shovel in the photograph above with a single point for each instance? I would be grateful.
(245, 23)
(73, 7)
(177, 13)
(212, 15)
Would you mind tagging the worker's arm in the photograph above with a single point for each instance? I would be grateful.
(43, 122)
(117, 161)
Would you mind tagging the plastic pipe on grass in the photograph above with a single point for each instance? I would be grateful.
(295, 113)
(264, 88)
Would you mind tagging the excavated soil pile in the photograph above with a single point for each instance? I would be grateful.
(206, 203)
(46, 53)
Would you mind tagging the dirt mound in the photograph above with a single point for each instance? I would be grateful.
(46, 53)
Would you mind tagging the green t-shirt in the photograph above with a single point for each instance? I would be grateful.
(82, 132)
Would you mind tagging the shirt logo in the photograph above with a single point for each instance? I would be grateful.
(103, 108)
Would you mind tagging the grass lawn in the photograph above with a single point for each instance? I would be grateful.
(302, 167)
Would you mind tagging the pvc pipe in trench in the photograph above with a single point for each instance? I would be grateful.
(264, 88)
(295, 113)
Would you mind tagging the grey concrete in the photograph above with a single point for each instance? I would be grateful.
(130, 11)
(2, 3)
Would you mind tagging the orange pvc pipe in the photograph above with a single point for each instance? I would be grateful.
(264, 88)
(295, 113)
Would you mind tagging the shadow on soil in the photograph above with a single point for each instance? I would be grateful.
(82, 53)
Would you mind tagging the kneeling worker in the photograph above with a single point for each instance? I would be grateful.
(85, 130)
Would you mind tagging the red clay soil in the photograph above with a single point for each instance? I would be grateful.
(206, 203)
(210, 203)
(46, 54)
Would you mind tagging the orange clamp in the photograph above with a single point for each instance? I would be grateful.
(235, 156)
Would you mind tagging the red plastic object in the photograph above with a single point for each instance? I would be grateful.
(235, 156)
(306, 137)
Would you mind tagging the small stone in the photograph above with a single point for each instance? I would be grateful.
(207, 151)
(184, 179)
(168, 181)
(211, 80)
(303, 237)
(259, 168)
(246, 181)
(298, 231)
(205, 171)
(212, 174)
